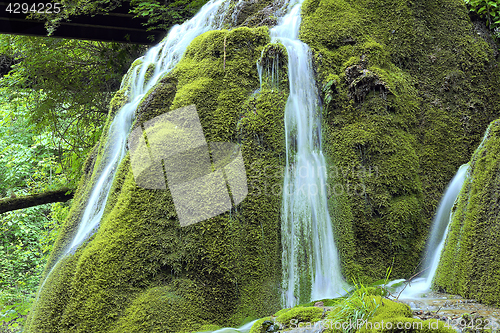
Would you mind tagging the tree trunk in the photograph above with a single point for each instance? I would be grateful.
(10, 204)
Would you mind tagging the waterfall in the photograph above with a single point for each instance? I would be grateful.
(311, 267)
(438, 234)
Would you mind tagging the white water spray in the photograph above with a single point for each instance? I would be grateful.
(311, 267)
(438, 234)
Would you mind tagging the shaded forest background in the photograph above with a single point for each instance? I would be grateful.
(54, 99)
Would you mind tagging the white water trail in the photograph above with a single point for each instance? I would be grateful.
(242, 329)
(158, 61)
(438, 234)
(311, 266)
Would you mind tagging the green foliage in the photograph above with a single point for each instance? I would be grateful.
(28, 164)
(66, 86)
(360, 305)
(13, 313)
(489, 9)
(26, 240)
(162, 15)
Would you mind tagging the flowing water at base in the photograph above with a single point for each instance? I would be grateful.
(454, 310)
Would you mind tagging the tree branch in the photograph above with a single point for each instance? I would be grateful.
(10, 204)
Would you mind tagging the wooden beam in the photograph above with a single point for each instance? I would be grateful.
(10, 204)
(116, 26)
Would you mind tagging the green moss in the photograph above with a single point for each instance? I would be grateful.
(119, 99)
(469, 264)
(173, 308)
(300, 314)
(390, 309)
(282, 311)
(406, 102)
(274, 63)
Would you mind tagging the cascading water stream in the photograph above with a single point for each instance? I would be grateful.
(158, 61)
(311, 267)
(438, 234)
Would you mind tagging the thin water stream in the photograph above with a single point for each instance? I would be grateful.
(311, 266)
(437, 236)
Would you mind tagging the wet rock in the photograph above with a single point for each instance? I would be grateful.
(270, 326)
(484, 33)
(363, 81)
(243, 10)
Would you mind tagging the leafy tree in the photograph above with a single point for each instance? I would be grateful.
(27, 165)
(67, 86)
(164, 14)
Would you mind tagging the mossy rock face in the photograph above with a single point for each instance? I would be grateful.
(141, 271)
(469, 263)
(253, 13)
(409, 88)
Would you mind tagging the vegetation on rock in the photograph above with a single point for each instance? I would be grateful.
(407, 102)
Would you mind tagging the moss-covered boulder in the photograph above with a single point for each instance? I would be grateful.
(469, 263)
(409, 87)
(260, 325)
(143, 272)
(300, 314)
